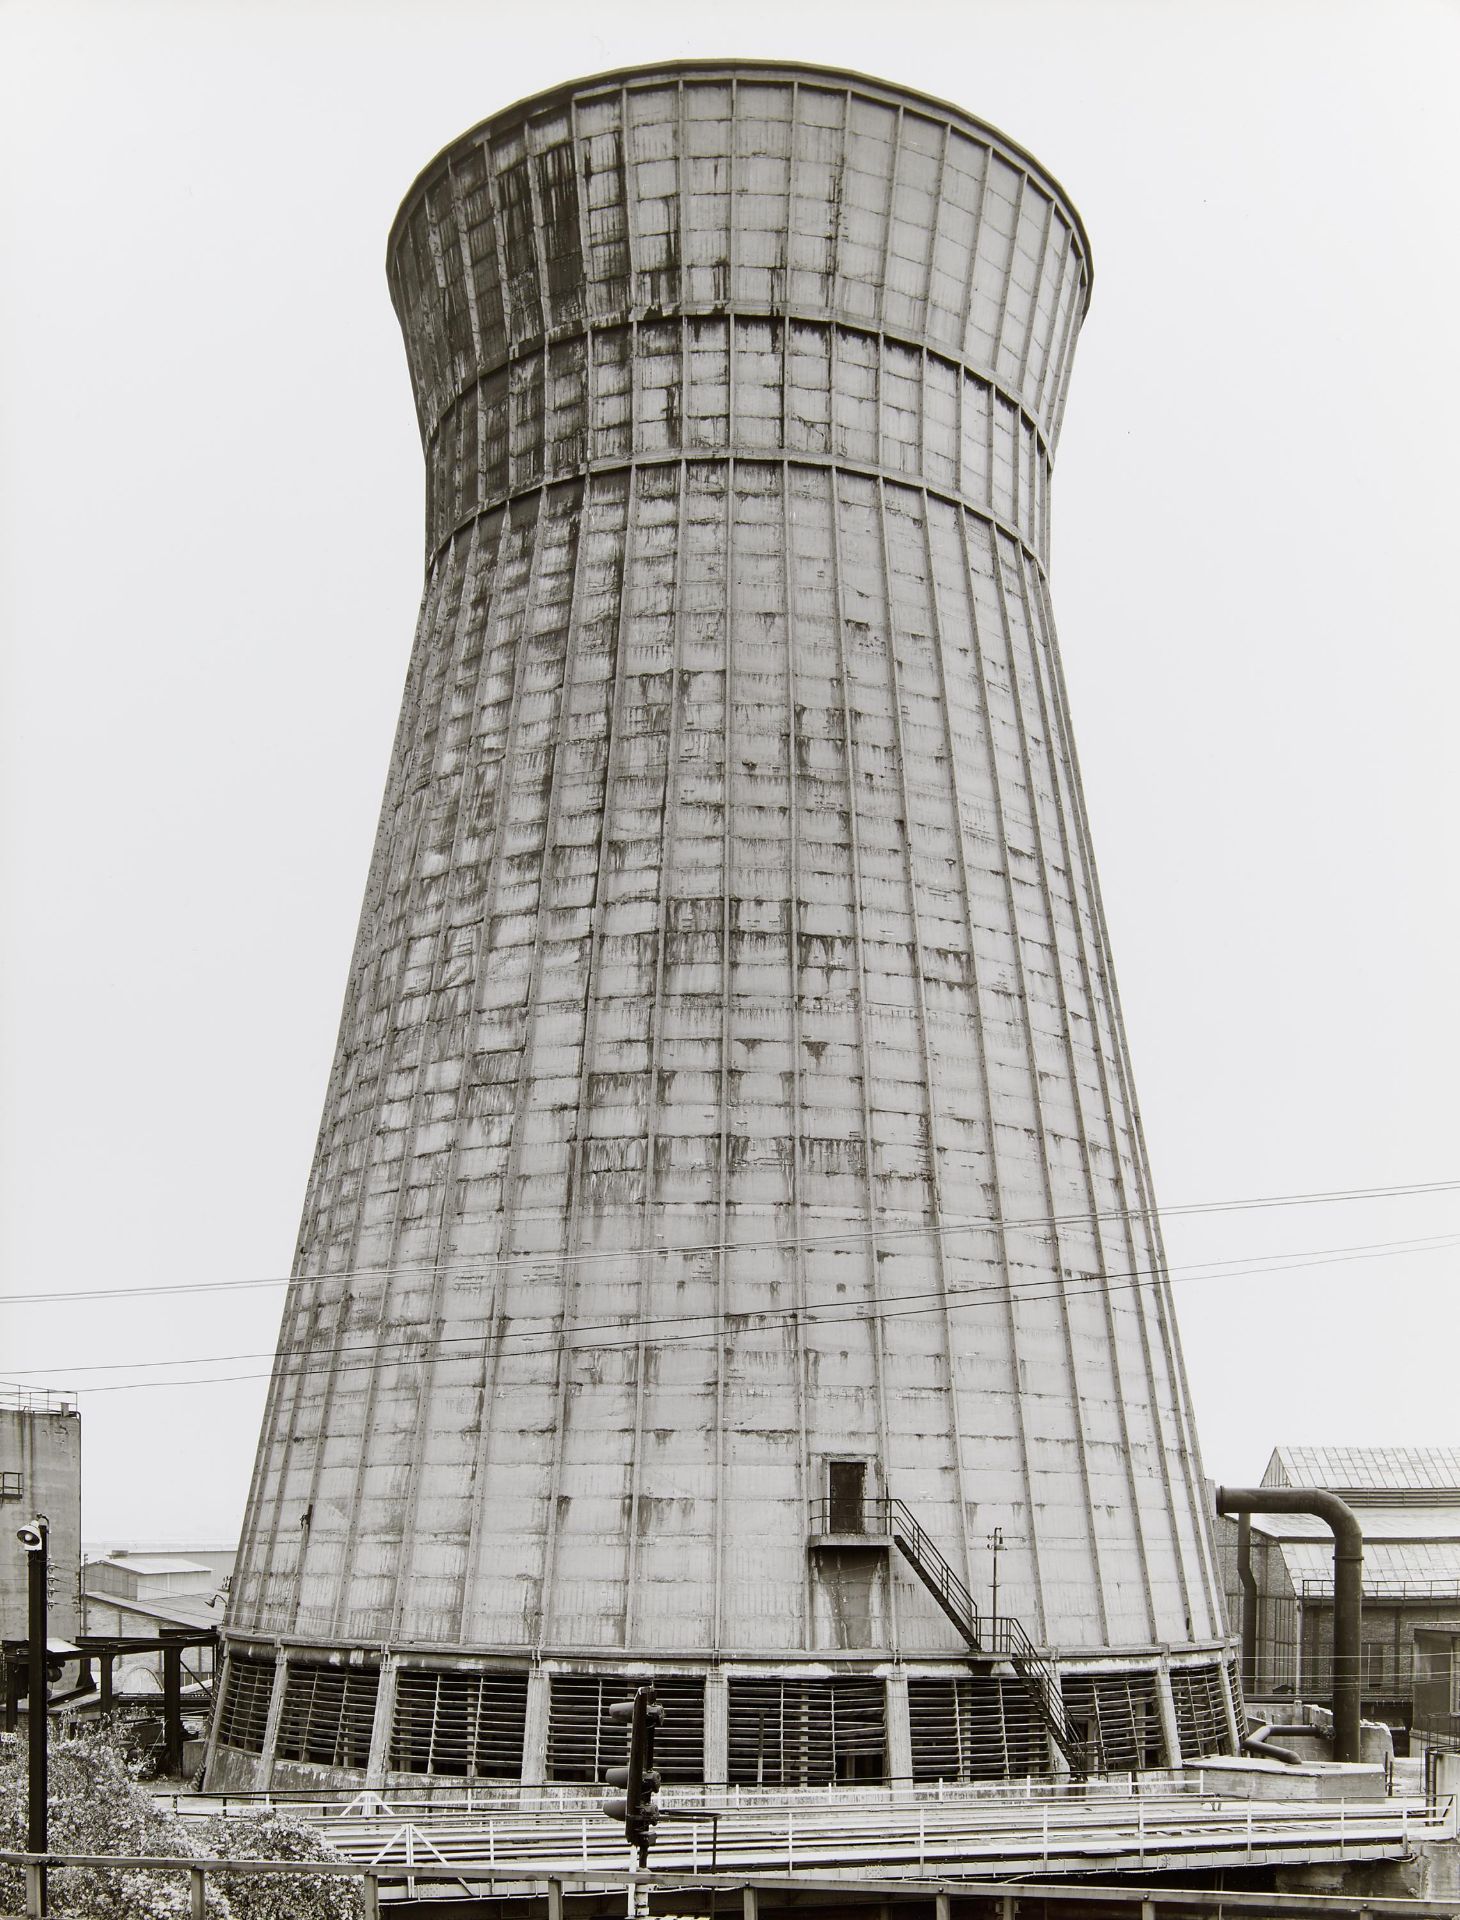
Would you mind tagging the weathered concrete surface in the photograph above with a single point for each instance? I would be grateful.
(731, 1075)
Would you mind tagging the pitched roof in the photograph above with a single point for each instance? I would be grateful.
(150, 1563)
(1360, 1470)
(177, 1609)
(1391, 1524)
(1408, 1570)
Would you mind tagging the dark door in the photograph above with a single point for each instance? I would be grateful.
(848, 1485)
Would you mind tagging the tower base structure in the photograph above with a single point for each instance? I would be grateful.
(297, 1718)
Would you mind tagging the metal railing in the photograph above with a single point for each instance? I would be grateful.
(997, 1634)
(1013, 1898)
(36, 1399)
(1385, 1587)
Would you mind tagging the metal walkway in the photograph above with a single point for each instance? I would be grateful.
(970, 1840)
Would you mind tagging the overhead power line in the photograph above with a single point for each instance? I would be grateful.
(717, 1326)
(1234, 1267)
(487, 1264)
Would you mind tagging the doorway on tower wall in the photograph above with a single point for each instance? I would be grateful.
(846, 1496)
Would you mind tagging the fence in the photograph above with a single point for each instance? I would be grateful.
(1001, 1903)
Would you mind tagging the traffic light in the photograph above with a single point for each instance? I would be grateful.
(635, 1806)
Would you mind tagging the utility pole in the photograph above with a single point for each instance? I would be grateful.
(34, 1538)
(996, 1542)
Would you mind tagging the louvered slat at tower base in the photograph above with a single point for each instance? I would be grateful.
(731, 1133)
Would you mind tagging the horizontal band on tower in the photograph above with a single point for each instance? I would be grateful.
(734, 385)
(827, 463)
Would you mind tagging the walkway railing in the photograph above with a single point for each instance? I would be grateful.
(996, 1634)
(907, 1850)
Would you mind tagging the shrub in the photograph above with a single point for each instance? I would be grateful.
(272, 1835)
(96, 1804)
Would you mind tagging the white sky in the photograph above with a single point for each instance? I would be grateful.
(210, 558)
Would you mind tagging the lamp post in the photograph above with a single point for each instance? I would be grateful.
(996, 1544)
(34, 1537)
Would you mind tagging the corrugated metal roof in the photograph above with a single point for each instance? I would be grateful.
(1364, 1467)
(1441, 1524)
(1410, 1569)
(151, 1563)
(182, 1609)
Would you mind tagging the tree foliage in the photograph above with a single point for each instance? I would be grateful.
(97, 1804)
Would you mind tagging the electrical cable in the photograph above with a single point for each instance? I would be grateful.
(991, 1293)
(1236, 1267)
(981, 1224)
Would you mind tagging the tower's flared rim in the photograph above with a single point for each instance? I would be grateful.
(891, 91)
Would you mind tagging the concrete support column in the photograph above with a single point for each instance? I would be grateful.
(271, 1727)
(1166, 1707)
(220, 1694)
(1230, 1696)
(535, 1730)
(1059, 1766)
(717, 1728)
(899, 1731)
(380, 1727)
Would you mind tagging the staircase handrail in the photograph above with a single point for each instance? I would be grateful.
(900, 1517)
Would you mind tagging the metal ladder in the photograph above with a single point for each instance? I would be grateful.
(995, 1634)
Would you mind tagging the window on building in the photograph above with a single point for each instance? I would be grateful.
(979, 1728)
(11, 1486)
(1199, 1697)
(1455, 1681)
(1376, 1665)
(806, 1733)
(327, 1715)
(244, 1714)
(1118, 1716)
(583, 1742)
(846, 1496)
(470, 1725)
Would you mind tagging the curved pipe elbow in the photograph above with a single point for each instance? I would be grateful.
(1347, 1531)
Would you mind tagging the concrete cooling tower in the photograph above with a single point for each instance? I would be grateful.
(730, 1216)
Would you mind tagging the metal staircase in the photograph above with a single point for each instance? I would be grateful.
(994, 1634)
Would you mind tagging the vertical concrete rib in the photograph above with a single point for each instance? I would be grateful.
(653, 1255)
(356, 1533)
(446, 1263)
(920, 1000)
(854, 840)
(583, 1130)
(959, 1427)
(793, 952)
(501, 1251)
(722, 1157)
(1042, 1128)
(1017, 1369)
(1027, 736)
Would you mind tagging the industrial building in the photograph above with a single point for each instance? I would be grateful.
(1407, 1500)
(40, 1474)
(730, 1250)
(143, 1595)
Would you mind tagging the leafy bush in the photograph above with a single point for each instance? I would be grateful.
(272, 1835)
(97, 1805)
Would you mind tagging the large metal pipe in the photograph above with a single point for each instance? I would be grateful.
(1247, 1580)
(1348, 1591)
